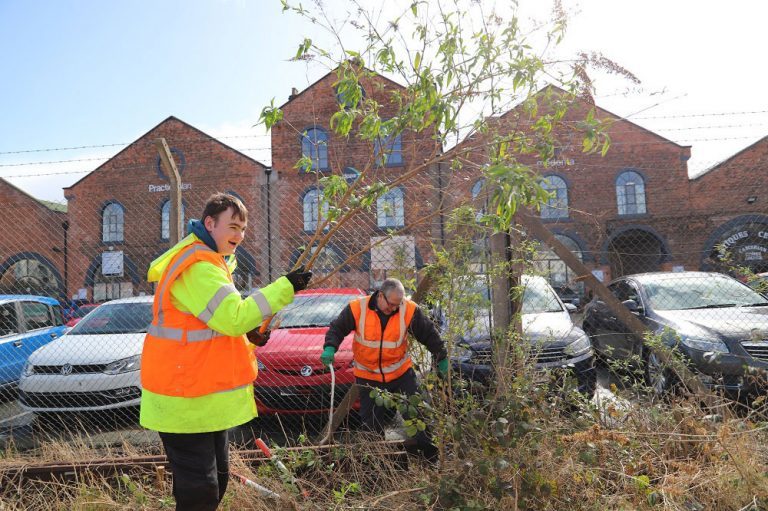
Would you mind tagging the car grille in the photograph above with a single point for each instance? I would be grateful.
(78, 399)
(547, 355)
(76, 369)
(300, 398)
(757, 349)
(297, 372)
(542, 356)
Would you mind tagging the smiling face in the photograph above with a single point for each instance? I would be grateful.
(227, 230)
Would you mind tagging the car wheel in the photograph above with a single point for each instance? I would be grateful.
(659, 378)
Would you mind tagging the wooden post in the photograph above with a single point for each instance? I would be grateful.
(174, 220)
(637, 327)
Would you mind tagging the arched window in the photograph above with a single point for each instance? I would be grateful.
(165, 220)
(630, 193)
(314, 145)
(557, 205)
(311, 206)
(388, 151)
(112, 223)
(390, 209)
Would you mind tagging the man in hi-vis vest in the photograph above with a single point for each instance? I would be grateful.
(197, 366)
(381, 323)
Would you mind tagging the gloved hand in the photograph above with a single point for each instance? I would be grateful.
(258, 338)
(328, 355)
(442, 367)
(299, 278)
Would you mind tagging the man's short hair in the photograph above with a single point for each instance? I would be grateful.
(220, 202)
(390, 285)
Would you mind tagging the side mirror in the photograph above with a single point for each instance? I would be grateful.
(632, 306)
(571, 308)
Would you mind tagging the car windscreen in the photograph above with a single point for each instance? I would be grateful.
(313, 310)
(117, 318)
(704, 292)
(83, 311)
(539, 297)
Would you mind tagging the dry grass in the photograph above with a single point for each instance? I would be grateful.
(672, 456)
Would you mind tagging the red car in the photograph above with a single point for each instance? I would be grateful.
(292, 380)
(74, 317)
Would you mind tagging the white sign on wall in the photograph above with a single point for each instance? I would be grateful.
(112, 263)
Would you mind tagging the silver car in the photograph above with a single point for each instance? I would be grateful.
(95, 366)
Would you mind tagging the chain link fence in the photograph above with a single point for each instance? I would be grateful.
(76, 301)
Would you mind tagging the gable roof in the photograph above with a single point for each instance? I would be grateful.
(732, 157)
(313, 84)
(168, 119)
(617, 117)
(53, 206)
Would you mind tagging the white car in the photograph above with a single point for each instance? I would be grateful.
(95, 366)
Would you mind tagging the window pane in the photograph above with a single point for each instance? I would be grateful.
(36, 315)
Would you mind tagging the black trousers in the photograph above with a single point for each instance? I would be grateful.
(200, 466)
(376, 418)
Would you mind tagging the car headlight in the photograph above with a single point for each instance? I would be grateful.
(124, 365)
(578, 346)
(261, 365)
(28, 370)
(705, 344)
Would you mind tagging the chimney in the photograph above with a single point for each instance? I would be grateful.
(294, 93)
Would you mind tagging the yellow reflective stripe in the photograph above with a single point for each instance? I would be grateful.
(262, 303)
(376, 344)
(384, 370)
(402, 322)
(213, 304)
(363, 313)
(205, 334)
(174, 334)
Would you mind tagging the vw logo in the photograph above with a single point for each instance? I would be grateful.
(66, 369)
(306, 371)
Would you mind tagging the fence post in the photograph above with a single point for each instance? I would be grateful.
(174, 218)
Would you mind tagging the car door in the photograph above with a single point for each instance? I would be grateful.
(39, 326)
(626, 342)
(12, 356)
(609, 333)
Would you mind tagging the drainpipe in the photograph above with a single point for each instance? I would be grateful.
(268, 173)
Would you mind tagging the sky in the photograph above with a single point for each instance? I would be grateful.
(81, 79)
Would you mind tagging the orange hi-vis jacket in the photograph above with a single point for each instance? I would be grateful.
(182, 356)
(380, 356)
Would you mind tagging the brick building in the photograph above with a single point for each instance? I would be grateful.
(33, 244)
(632, 210)
(119, 213)
(405, 210)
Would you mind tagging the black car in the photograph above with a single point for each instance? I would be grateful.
(555, 341)
(719, 324)
(568, 295)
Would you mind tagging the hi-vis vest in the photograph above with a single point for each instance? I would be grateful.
(182, 357)
(381, 356)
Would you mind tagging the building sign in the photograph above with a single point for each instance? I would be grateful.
(112, 263)
(744, 245)
(167, 187)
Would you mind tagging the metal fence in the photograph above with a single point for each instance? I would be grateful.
(72, 352)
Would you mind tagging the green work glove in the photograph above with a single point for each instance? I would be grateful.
(328, 354)
(442, 367)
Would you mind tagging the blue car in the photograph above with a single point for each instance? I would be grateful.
(27, 322)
